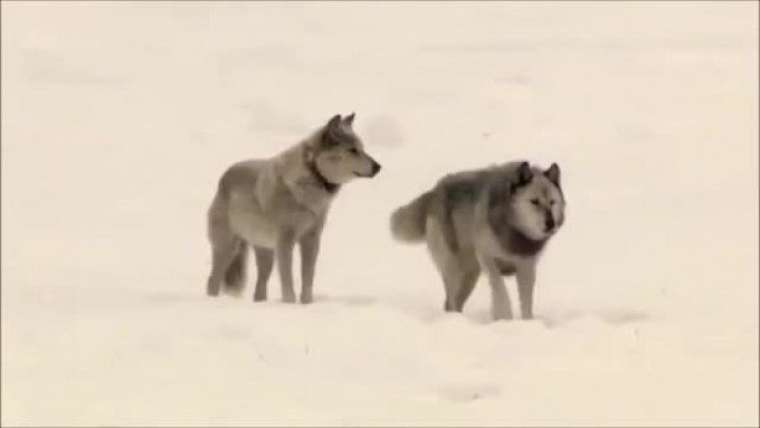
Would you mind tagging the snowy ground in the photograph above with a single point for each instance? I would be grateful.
(117, 119)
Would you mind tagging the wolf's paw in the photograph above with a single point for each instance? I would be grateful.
(212, 291)
(259, 297)
(306, 298)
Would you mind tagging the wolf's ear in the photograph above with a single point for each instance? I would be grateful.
(334, 122)
(524, 174)
(553, 174)
(332, 132)
(349, 120)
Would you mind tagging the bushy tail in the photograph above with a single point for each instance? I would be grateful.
(234, 278)
(408, 222)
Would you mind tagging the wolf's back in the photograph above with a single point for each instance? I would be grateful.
(408, 221)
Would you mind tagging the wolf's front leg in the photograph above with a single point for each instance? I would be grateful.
(501, 307)
(264, 263)
(284, 250)
(526, 280)
(309, 252)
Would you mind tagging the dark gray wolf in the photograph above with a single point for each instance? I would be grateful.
(495, 220)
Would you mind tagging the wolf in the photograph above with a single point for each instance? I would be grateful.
(273, 204)
(495, 220)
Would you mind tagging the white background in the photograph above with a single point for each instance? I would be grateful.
(118, 118)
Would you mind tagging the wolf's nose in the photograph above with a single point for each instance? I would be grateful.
(375, 168)
(549, 223)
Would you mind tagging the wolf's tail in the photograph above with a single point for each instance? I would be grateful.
(408, 222)
(234, 278)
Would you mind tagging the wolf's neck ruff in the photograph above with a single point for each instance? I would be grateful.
(311, 164)
(509, 237)
(521, 244)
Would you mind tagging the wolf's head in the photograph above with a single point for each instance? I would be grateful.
(339, 154)
(537, 202)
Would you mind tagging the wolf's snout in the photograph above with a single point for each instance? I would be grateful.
(549, 223)
(375, 168)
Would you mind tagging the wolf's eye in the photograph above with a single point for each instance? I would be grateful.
(534, 202)
(353, 151)
(552, 202)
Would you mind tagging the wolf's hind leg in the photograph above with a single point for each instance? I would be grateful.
(264, 263)
(223, 254)
(224, 245)
(235, 277)
(456, 279)
(469, 271)
(451, 285)
(446, 262)
(469, 279)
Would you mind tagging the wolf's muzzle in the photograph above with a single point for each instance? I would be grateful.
(375, 168)
(549, 222)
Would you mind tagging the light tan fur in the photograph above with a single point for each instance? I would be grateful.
(273, 204)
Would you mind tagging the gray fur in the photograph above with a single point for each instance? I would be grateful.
(495, 220)
(277, 203)
(408, 222)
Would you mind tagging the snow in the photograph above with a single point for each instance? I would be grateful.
(117, 119)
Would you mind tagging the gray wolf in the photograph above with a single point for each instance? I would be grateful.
(273, 204)
(496, 220)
